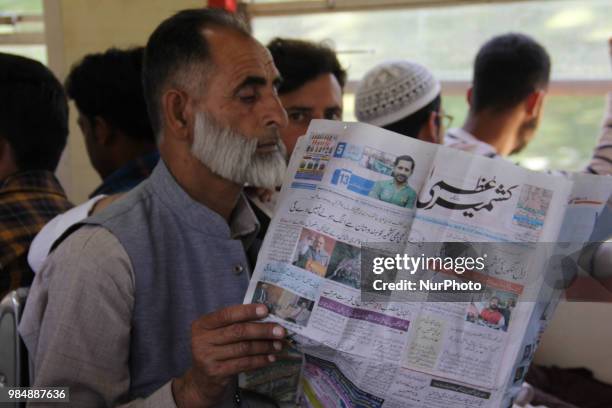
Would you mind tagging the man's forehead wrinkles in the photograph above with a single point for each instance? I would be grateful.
(240, 59)
(239, 73)
(270, 66)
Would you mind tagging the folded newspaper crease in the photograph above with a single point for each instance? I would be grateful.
(350, 185)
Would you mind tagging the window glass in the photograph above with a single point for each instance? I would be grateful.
(21, 6)
(35, 51)
(446, 39)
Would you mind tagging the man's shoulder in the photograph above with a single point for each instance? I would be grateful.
(21, 218)
(140, 194)
(460, 139)
(14, 204)
(93, 256)
(88, 242)
(88, 236)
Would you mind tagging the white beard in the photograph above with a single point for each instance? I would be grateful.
(234, 157)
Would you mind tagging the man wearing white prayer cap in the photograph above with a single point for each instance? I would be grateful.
(404, 97)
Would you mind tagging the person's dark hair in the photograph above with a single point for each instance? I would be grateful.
(411, 125)
(109, 85)
(173, 49)
(507, 69)
(33, 113)
(300, 61)
(405, 157)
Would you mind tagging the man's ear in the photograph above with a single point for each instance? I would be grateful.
(102, 131)
(534, 103)
(4, 152)
(430, 129)
(7, 161)
(178, 114)
(468, 95)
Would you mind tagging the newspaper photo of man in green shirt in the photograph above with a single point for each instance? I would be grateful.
(397, 191)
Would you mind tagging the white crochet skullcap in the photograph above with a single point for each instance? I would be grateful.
(394, 90)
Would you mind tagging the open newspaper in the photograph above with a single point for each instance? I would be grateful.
(353, 192)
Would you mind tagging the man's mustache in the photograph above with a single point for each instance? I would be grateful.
(272, 137)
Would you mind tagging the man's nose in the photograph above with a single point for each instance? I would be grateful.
(275, 114)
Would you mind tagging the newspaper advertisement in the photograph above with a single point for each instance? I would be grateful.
(414, 275)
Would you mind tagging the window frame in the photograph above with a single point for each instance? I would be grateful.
(24, 38)
(287, 8)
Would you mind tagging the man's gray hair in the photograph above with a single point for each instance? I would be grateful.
(177, 54)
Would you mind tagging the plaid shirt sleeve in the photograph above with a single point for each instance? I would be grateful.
(27, 202)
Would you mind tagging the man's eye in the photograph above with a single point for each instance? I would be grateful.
(297, 116)
(333, 115)
(247, 96)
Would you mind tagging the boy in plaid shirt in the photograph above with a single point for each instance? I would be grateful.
(33, 132)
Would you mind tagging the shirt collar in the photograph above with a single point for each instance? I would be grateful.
(458, 138)
(266, 207)
(242, 225)
(243, 222)
(34, 181)
(129, 175)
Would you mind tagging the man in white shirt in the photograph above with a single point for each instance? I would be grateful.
(511, 76)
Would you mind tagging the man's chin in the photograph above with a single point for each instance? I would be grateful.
(267, 149)
(271, 174)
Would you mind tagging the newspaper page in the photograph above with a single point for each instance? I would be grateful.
(381, 331)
